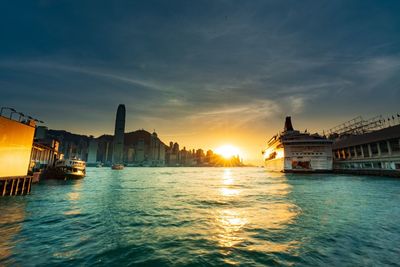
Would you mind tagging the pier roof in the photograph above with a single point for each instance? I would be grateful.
(376, 136)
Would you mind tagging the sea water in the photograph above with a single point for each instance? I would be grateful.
(203, 217)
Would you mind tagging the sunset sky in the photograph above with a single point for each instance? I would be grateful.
(202, 73)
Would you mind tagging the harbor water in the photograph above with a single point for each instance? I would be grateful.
(203, 217)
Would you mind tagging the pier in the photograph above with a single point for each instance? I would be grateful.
(16, 140)
(367, 147)
(13, 186)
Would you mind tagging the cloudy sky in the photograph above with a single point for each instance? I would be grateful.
(203, 73)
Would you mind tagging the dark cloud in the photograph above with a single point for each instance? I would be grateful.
(178, 63)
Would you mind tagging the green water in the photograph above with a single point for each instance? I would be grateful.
(203, 217)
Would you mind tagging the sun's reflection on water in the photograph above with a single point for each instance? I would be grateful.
(12, 216)
(230, 222)
(247, 223)
(228, 181)
(74, 197)
(227, 177)
(229, 192)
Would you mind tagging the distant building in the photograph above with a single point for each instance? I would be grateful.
(172, 154)
(105, 149)
(119, 131)
(144, 149)
(71, 145)
(175, 157)
(200, 156)
(92, 154)
(41, 132)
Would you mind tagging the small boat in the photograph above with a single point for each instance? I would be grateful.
(117, 166)
(71, 168)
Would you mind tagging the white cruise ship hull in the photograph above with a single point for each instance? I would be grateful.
(275, 165)
(294, 164)
(292, 151)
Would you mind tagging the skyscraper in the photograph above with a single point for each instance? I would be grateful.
(118, 150)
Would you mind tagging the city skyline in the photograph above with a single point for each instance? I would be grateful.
(204, 74)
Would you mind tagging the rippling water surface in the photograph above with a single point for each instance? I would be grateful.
(203, 216)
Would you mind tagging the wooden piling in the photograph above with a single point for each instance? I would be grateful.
(23, 187)
(4, 188)
(12, 187)
(16, 190)
(29, 185)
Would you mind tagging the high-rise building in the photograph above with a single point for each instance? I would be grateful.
(118, 150)
(92, 151)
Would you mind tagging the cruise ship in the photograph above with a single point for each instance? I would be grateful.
(294, 151)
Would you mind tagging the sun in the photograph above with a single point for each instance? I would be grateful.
(227, 151)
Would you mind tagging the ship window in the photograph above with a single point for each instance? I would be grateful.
(397, 166)
(394, 145)
(352, 151)
(366, 151)
(358, 150)
(368, 165)
(374, 148)
(378, 165)
(383, 147)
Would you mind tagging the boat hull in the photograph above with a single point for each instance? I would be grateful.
(117, 167)
(275, 165)
(60, 174)
(74, 176)
(295, 165)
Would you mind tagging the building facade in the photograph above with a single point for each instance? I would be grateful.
(377, 152)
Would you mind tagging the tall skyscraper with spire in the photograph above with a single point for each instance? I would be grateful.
(118, 150)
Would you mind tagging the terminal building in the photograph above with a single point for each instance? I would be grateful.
(367, 147)
(16, 143)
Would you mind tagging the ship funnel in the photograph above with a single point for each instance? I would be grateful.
(288, 124)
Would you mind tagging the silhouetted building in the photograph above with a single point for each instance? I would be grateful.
(41, 132)
(92, 154)
(105, 149)
(119, 135)
(71, 145)
(144, 149)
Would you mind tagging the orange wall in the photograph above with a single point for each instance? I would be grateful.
(15, 147)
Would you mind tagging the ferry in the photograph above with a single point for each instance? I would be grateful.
(71, 168)
(295, 151)
(117, 166)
